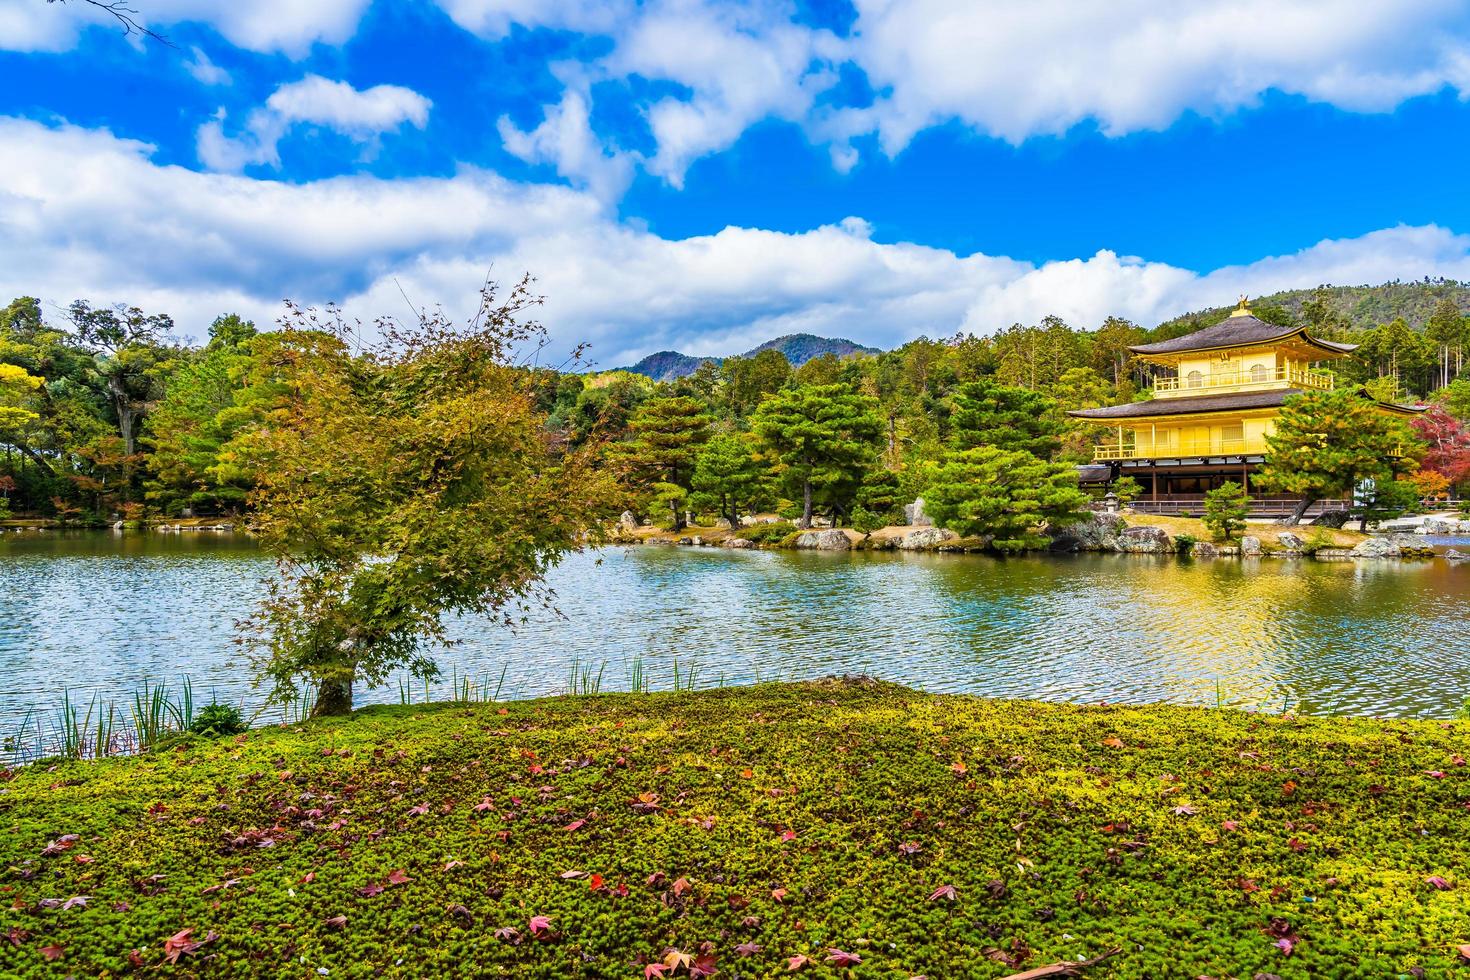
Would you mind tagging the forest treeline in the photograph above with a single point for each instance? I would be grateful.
(106, 414)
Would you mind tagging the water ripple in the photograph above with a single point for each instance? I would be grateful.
(106, 613)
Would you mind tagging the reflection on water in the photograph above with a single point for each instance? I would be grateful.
(106, 612)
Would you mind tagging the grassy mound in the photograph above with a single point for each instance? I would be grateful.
(866, 830)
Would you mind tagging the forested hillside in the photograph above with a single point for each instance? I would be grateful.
(1360, 307)
(797, 348)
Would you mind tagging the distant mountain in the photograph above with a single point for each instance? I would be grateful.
(666, 365)
(1364, 307)
(802, 347)
(798, 348)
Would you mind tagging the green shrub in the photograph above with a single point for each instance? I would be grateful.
(1126, 489)
(866, 521)
(1184, 543)
(1225, 510)
(766, 533)
(218, 720)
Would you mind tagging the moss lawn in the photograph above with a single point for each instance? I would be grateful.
(814, 830)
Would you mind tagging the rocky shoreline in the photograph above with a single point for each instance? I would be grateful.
(1104, 533)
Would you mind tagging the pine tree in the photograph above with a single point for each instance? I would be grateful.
(1009, 495)
(667, 435)
(987, 413)
(1328, 442)
(1225, 509)
(824, 436)
(728, 475)
(1383, 500)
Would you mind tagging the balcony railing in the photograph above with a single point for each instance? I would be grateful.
(1246, 381)
(1182, 448)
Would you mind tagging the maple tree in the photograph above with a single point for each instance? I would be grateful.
(402, 485)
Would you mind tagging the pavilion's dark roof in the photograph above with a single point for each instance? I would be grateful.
(1094, 473)
(1186, 405)
(1238, 330)
(1191, 405)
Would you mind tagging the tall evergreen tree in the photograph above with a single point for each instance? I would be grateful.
(728, 475)
(1328, 442)
(1447, 328)
(987, 413)
(667, 435)
(822, 435)
(1006, 494)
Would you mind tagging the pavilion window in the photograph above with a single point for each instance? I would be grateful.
(1258, 373)
(1194, 379)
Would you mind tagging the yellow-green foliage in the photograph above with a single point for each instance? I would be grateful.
(793, 819)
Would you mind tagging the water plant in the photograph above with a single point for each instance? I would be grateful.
(217, 720)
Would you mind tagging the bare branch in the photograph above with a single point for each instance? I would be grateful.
(126, 16)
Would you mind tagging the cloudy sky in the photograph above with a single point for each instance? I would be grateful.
(702, 176)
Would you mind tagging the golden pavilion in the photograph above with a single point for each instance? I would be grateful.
(1208, 422)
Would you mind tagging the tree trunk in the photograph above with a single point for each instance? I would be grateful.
(1301, 511)
(806, 504)
(678, 518)
(40, 462)
(333, 698)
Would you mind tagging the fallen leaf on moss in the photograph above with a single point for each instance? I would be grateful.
(182, 943)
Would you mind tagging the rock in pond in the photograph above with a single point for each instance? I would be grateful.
(1290, 542)
(1452, 556)
(923, 540)
(1204, 549)
(829, 540)
(1376, 548)
(628, 521)
(734, 542)
(1250, 546)
(913, 514)
(1098, 532)
(1145, 541)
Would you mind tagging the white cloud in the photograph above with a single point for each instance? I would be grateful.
(735, 65)
(1019, 69)
(359, 114)
(206, 72)
(288, 26)
(493, 18)
(1013, 69)
(86, 214)
(565, 138)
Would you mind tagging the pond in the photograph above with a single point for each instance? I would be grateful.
(100, 612)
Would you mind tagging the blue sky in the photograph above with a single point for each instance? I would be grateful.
(698, 175)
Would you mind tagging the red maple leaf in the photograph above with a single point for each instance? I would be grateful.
(182, 942)
(794, 963)
(540, 924)
(575, 825)
(943, 891)
(839, 957)
(52, 952)
(398, 877)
